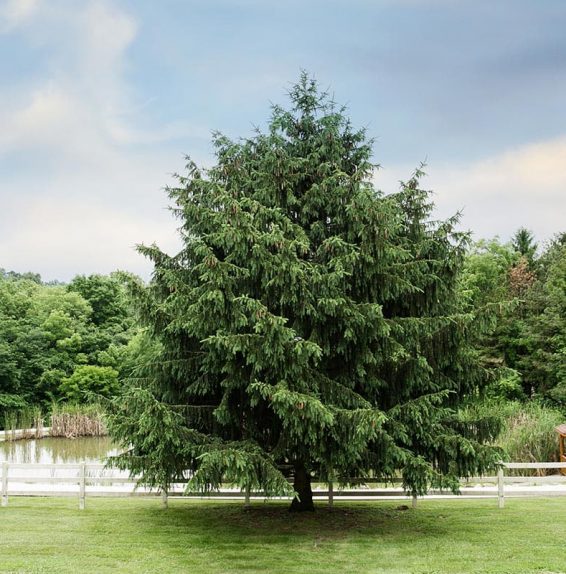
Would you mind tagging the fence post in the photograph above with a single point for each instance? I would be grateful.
(330, 494)
(4, 484)
(82, 490)
(500, 488)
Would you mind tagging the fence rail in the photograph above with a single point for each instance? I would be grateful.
(94, 479)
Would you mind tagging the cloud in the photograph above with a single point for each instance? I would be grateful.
(60, 239)
(16, 12)
(77, 104)
(536, 169)
(90, 187)
(524, 186)
(47, 119)
(106, 33)
(84, 153)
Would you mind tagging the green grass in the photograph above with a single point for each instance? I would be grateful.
(136, 535)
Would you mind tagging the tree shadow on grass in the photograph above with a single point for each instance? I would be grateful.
(273, 520)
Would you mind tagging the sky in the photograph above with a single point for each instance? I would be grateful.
(101, 100)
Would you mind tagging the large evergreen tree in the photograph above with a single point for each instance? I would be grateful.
(308, 325)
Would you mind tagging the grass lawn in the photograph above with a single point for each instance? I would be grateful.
(136, 535)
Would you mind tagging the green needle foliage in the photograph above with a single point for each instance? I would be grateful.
(309, 323)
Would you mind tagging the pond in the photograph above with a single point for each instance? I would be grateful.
(57, 450)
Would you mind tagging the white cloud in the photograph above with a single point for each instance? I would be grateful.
(75, 104)
(106, 33)
(13, 13)
(47, 118)
(90, 188)
(80, 105)
(524, 186)
(87, 194)
(62, 238)
(535, 169)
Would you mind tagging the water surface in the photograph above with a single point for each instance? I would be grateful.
(57, 450)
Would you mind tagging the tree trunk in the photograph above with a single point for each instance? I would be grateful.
(302, 486)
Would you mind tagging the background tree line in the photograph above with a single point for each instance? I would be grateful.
(524, 289)
(71, 342)
(62, 342)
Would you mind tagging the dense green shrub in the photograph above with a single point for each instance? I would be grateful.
(507, 386)
(88, 381)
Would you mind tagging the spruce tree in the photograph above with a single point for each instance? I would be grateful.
(309, 326)
(524, 243)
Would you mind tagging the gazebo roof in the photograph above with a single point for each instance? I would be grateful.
(561, 429)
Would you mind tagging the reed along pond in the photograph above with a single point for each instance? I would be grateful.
(57, 450)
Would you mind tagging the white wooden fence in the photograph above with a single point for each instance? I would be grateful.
(18, 479)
